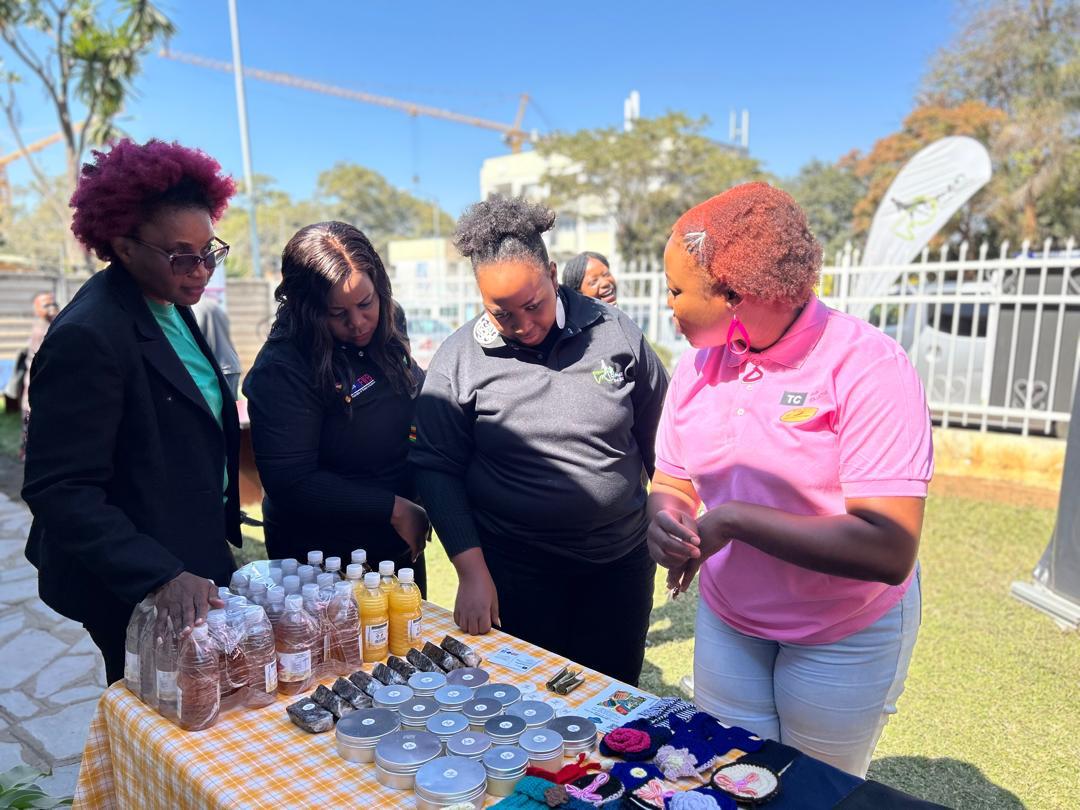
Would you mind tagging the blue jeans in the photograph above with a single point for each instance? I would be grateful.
(830, 701)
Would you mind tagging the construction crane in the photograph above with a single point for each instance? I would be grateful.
(6, 160)
(513, 134)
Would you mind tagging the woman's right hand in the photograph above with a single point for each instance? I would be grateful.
(411, 523)
(476, 609)
(186, 599)
(673, 538)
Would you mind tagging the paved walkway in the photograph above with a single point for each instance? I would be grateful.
(51, 674)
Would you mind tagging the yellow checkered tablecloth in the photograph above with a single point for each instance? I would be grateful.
(257, 758)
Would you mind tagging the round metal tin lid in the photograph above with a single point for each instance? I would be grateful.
(506, 760)
(472, 677)
(427, 681)
(406, 750)
(541, 741)
(455, 695)
(393, 695)
(505, 725)
(535, 712)
(480, 709)
(505, 693)
(449, 779)
(366, 725)
(468, 744)
(417, 709)
(574, 729)
(447, 724)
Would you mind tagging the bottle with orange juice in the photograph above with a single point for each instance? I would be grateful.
(388, 581)
(374, 619)
(406, 614)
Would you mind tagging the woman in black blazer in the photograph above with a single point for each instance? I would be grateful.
(131, 464)
(331, 398)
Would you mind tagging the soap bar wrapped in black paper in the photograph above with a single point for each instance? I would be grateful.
(365, 682)
(352, 693)
(421, 661)
(309, 716)
(332, 702)
(385, 675)
(462, 651)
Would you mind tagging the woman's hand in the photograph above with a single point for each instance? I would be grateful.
(673, 538)
(715, 529)
(186, 600)
(476, 609)
(411, 523)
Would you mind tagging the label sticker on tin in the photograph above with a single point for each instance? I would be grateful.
(529, 712)
(468, 677)
(370, 721)
(506, 755)
(308, 707)
(450, 773)
(573, 727)
(469, 740)
(448, 723)
(409, 746)
(480, 707)
(506, 724)
(393, 693)
(500, 694)
(540, 738)
(418, 707)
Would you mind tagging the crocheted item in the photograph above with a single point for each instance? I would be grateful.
(702, 752)
(749, 784)
(666, 708)
(709, 800)
(567, 773)
(635, 774)
(556, 795)
(651, 795)
(628, 741)
(637, 741)
(720, 738)
(596, 789)
(531, 793)
(676, 763)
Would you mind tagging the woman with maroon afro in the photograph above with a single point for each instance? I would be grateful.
(804, 433)
(131, 467)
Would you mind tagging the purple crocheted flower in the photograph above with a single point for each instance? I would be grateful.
(692, 801)
(675, 762)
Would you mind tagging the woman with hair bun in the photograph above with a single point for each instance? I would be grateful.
(534, 430)
(131, 463)
(805, 434)
(590, 274)
(331, 397)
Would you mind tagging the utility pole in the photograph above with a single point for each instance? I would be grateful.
(245, 141)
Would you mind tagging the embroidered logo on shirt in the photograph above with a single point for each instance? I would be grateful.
(484, 332)
(608, 374)
(798, 415)
(793, 398)
(362, 384)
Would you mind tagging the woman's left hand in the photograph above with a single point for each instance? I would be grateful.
(411, 523)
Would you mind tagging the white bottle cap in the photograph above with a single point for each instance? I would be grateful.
(224, 593)
(354, 571)
(333, 564)
(253, 615)
(326, 580)
(310, 591)
(292, 584)
(277, 575)
(386, 568)
(342, 588)
(239, 578)
(294, 602)
(405, 575)
(359, 556)
(314, 558)
(371, 580)
(258, 586)
(216, 617)
(275, 594)
(289, 565)
(306, 572)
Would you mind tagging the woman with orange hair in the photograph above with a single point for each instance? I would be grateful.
(805, 434)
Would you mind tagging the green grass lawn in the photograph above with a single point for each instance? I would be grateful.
(994, 687)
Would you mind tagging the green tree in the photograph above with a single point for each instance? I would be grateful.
(84, 58)
(1023, 58)
(364, 198)
(644, 178)
(828, 193)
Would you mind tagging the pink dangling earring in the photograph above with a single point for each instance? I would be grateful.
(741, 345)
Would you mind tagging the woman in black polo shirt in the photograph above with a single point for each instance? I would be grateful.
(331, 398)
(534, 428)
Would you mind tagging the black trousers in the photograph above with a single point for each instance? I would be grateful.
(593, 614)
(108, 630)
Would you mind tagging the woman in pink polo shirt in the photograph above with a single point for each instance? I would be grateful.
(805, 434)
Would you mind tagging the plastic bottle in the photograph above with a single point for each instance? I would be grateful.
(359, 556)
(296, 634)
(317, 609)
(144, 612)
(332, 565)
(291, 583)
(326, 582)
(257, 593)
(275, 604)
(261, 658)
(374, 618)
(147, 651)
(406, 614)
(306, 574)
(343, 619)
(198, 699)
(165, 664)
(239, 583)
(229, 661)
(289, 566)
(387, 579)
(315, 559)
(277, 576)
(224, 593)
(354, 575)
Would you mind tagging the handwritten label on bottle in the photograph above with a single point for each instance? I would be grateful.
(375, 634)
(166, 685)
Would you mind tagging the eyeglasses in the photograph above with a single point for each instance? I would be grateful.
(184, 264)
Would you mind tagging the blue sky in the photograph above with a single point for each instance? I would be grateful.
(818, 78)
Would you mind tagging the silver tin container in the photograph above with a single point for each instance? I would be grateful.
(472, 677)
(505, 765)
(536, 713)
(505, 729)
(400, 755)
(359, 732)
(544, 747)
(448, 781)
(445, 725)
(415, 713)
(507, 694)
(391, 697)
(578, 733)
(480, 710)
(425, 684)
(451, 698)
(469, 744)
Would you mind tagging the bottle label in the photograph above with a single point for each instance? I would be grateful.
(166, 685)
(375, 634)
(179, 704)
(360, 646)
(270, 676)
(415, 629)
(294, 667)
(132, 669)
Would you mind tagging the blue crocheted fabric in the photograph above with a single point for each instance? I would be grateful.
(666, 708)
(701, 750)
(635, 774)
(720, 738)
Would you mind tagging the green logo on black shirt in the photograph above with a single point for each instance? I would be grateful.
(608, 374)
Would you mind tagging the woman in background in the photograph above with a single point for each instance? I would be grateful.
(590, 274)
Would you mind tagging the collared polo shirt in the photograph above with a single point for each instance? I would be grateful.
(550, 441)
(833, 410)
